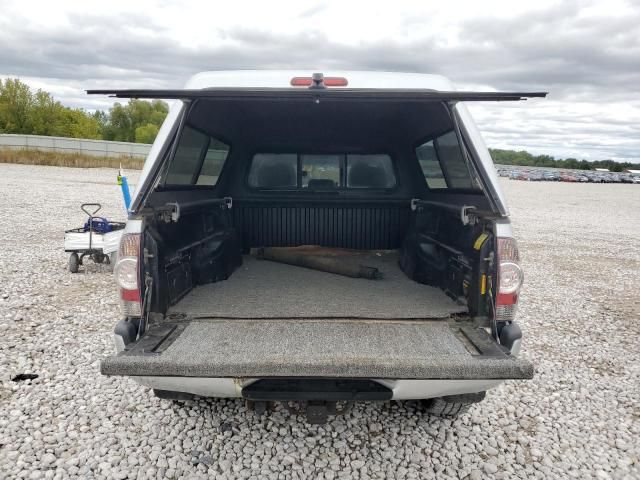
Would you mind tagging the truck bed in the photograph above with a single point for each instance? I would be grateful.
(262, 289)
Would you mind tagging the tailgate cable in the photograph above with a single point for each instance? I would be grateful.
(148, 282)
(468, 214)
(494, 321)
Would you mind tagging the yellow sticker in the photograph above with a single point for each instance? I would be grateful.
(483, 285)
(480, 240)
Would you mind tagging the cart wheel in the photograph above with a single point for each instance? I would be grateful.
(98, 257)
(74, 263)
(113, 258)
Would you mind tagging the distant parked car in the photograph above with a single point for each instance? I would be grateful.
(626, 178)
(615, 178)
(603, 177)
(635, 179)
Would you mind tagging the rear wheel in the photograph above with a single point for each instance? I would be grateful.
(452, 405)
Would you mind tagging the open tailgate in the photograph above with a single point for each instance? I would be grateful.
(318, 348)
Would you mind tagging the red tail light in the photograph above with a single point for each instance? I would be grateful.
(127, 275)
(328, 82)
(510, 278)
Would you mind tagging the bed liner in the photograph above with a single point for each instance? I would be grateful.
(415, 349)
(266, 289)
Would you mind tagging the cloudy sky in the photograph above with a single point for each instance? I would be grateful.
(585, 53)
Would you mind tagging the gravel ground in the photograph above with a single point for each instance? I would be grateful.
(578, 418)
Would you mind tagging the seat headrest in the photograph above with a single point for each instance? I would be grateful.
(321, 183)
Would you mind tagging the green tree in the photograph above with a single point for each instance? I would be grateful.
(146, 133)
(123, 121)
(16, 103)
(23, 111)
(522, 158)
(79, 124)
(118, 125)
(46, 114)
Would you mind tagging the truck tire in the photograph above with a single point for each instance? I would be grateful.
(74, 263)
(452, 405)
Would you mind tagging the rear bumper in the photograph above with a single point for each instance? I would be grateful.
(232, 387)
(330, 348)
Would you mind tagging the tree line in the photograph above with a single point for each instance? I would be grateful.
(29, 112)
(525, 159)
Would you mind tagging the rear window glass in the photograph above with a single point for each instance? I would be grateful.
(430, 165)
(198, 159)
(274, 170)
(321, 171)
(213, 162)
(443, 163)
(453, 162)
(370, 171)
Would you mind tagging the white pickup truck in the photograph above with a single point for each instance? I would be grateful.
(317, 240)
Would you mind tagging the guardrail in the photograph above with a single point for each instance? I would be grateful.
(97, 148)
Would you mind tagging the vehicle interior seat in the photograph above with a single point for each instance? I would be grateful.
(321, 184)
(277, 175)
(363, 176)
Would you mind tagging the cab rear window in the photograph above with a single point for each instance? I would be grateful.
(310, 171)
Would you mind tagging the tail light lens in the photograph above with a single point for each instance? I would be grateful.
(127, 275)
(510, 278)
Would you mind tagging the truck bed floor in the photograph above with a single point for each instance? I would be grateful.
(266, 289)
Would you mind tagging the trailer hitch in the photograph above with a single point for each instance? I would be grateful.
(316, 411)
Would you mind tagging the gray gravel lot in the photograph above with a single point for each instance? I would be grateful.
(578, 418)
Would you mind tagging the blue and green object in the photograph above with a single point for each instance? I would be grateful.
(124, 185)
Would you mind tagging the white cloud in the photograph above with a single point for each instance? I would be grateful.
(584, 52)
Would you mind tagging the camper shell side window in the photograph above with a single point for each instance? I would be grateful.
(198, 159)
